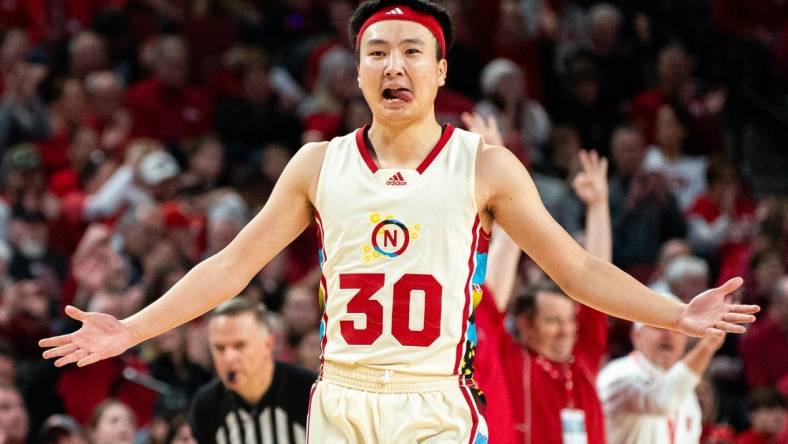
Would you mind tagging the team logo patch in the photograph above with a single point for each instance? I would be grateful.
(390, 237)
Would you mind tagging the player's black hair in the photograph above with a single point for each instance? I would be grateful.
(368, 8)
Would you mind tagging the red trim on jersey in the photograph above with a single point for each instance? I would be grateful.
(474, 414)
(484, 241)
(437, 149)
(364, 150)
(465, 312)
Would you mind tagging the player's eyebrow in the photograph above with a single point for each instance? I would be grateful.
(409, 41)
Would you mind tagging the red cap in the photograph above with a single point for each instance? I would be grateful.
(400, 12)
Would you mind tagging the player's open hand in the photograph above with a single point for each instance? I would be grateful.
(101, 336)
(710, 314)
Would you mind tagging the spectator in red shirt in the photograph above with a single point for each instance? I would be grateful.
(552, 363)
(764, 349)
(721, 220)
(166, 106)
(105, 113)
(767, 417)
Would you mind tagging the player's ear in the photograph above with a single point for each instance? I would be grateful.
(443, 67)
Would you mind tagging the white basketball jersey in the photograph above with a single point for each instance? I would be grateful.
(403, 256)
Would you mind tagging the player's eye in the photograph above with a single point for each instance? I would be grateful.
(377, 53)
(411, 51)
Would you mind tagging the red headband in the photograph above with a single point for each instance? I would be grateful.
(399, 12)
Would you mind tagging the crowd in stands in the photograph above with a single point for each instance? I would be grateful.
(137, 137)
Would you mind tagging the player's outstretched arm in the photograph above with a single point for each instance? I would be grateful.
(211, 282)
(505, 191)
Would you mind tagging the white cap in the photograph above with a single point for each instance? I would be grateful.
(156, 167)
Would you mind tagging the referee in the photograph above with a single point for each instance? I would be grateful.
(255, 400)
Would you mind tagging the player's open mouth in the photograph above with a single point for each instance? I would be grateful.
(397, 95)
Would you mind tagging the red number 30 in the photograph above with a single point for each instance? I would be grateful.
(367, 285)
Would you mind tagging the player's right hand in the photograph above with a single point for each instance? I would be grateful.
(101, 336)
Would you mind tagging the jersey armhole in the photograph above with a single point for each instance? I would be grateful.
(321, 173)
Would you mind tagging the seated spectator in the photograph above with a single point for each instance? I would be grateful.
(768, 410)
(23, 116)
(106, 113)
(14, 48)
(676, 84)
(685, 175)
(112, 422)
(686, 277)
(721, 221)
(205, 163)
(61, 429)
(87, 53)
(66, 114)
(582, 104)
(764, 348)
(180, 432)
(644, 211)
(649, 396)
(523, 122)
(336, 84)
(24, 317)
(670, 250)
(257, 116)
(166, 106)
(13, 416)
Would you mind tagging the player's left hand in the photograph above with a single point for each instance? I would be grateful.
(709, 314)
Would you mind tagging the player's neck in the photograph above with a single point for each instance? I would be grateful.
(403, 146)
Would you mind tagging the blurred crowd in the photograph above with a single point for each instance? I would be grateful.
(138, 137)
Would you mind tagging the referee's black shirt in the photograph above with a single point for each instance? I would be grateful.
(219, 416)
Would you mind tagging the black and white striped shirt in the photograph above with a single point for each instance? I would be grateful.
(219, 416)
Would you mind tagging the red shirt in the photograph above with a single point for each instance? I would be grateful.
(537, 388)
(83, 388)
(168, 114)
(752, 437)
(489, 372)
(764, 352)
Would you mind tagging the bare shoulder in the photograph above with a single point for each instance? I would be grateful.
(496, 168)
(304, 168)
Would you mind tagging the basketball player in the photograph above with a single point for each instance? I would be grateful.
(403, 208)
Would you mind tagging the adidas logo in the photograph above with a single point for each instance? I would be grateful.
(397, 180)
(395, 11)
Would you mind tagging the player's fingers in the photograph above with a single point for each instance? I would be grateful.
(731, 285)
(90, 359)
(746, 309)
(73, 357)
(55, 341)
(63, 350)
(739, 318)
(729, 328)
(711, 331)
(75, 313)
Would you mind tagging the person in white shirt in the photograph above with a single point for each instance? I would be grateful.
(649, 396)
